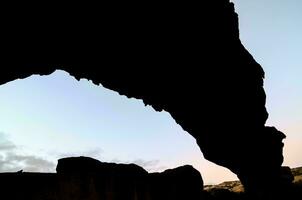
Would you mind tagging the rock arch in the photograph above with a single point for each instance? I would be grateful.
(185, 59)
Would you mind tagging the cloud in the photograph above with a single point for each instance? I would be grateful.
(11, 160)
(5, 145)
(94, 153)
(149, 165)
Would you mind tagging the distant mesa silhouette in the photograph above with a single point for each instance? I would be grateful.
(184, 58)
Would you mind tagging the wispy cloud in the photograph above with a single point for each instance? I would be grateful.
(6, 145)
(11, 160)
(94, 153)
(149, 165)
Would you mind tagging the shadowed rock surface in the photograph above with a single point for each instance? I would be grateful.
(184, 58)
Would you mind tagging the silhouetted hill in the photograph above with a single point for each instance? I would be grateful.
(235, 190)
(233, 186)
(297, 172)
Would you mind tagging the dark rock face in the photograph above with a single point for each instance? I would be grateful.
(128, 181)
(82, 178)
(180, 183)
(86, 165)
(186, 59)
(28, 186)
(87, 178)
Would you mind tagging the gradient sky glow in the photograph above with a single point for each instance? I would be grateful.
(44, 118)
(271, 30)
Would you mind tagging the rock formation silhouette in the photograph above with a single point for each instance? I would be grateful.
(184, 58)
(83, 178)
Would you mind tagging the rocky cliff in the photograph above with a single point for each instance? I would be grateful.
(184, 58)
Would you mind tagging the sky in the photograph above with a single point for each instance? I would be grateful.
(44, 118)
(271, 30)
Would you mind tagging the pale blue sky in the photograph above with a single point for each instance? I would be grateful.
(55, 115)
(45, 118)
(271, 30)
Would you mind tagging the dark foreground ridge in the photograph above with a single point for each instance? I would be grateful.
(182, 57)
(83, 178)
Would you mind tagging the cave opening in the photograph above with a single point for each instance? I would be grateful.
(45, 118)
